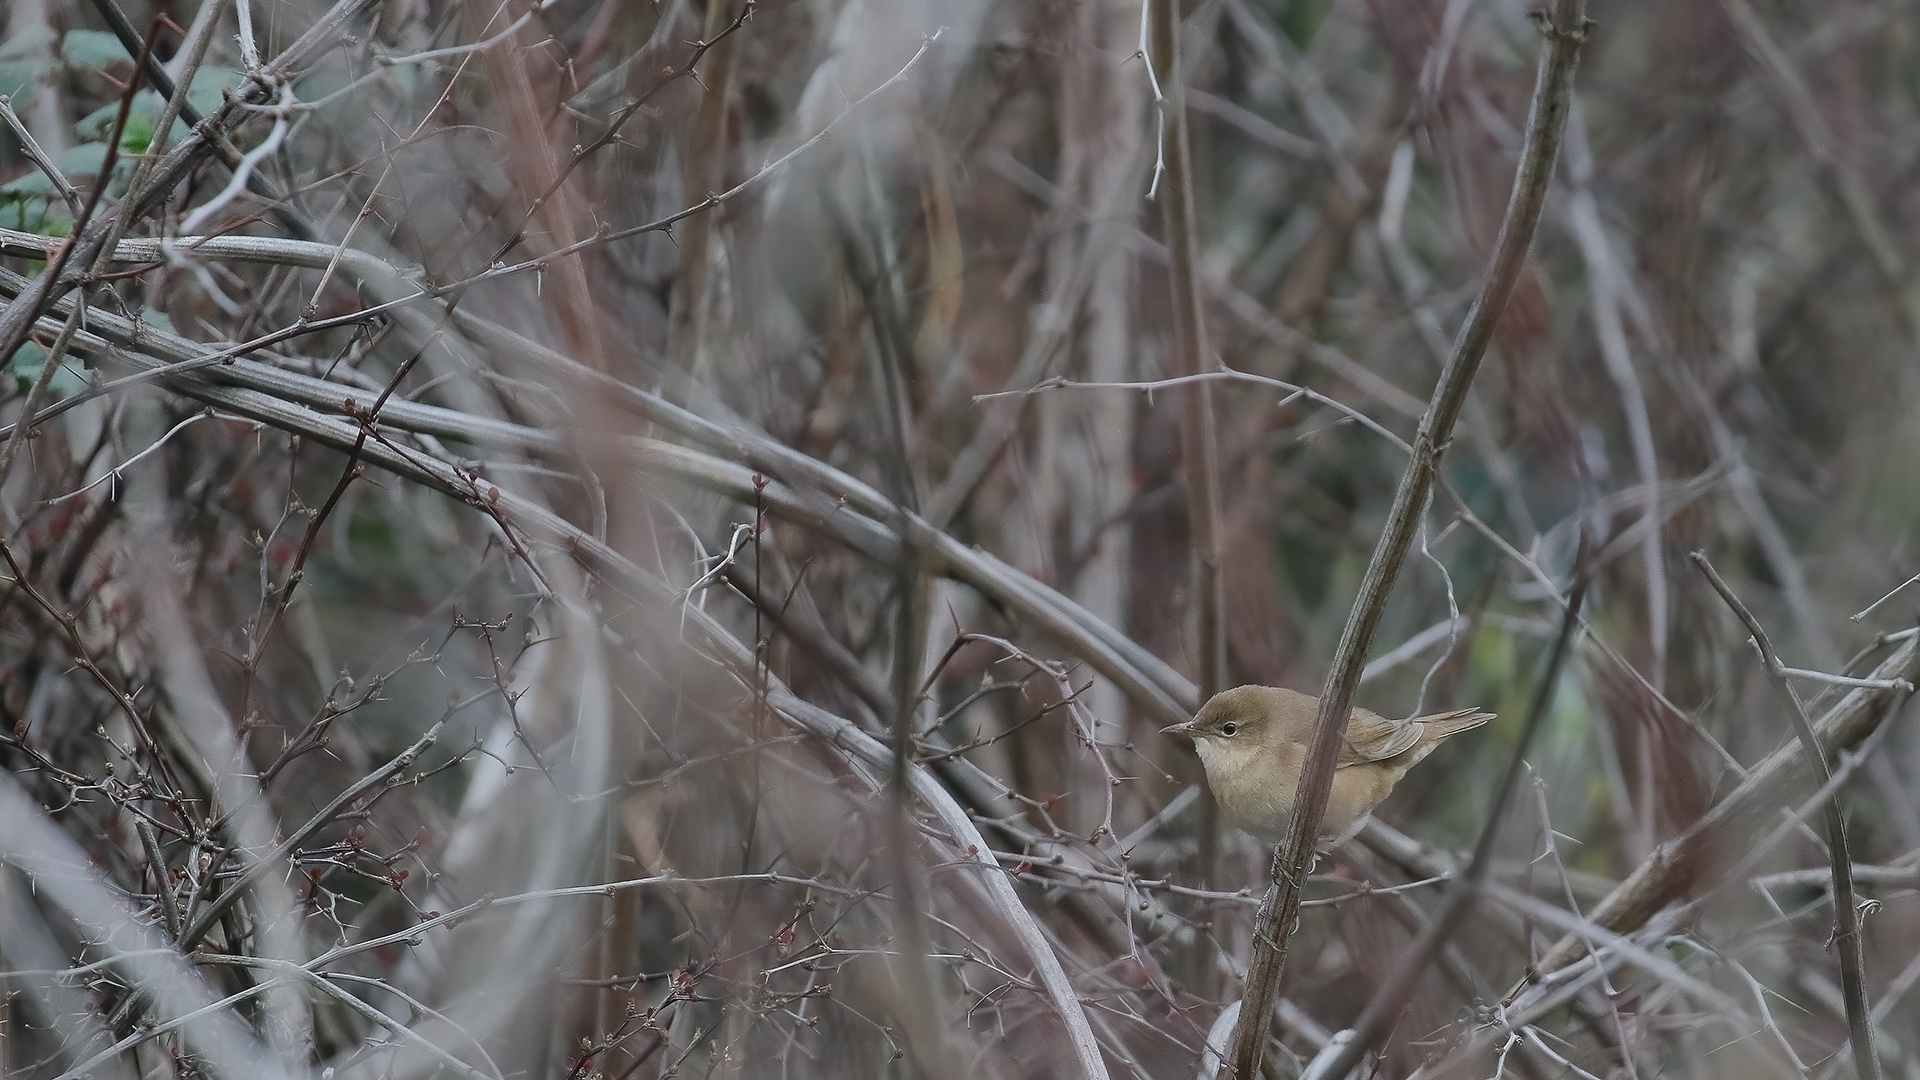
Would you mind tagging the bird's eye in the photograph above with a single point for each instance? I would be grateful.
(1229, 728)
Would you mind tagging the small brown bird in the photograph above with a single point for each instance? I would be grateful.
(1253, 742)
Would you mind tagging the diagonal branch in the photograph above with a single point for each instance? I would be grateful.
(850, 510)
(277, 858)
(1677, 865)
(1563, 29)
(1384, 1009)
(1846, 917)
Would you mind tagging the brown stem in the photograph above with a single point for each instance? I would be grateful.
(705, 171)
(1563, 29)
(1846, 917)
(1200, 446)
(1384, 1009)
(614, 126)
(1198, 435)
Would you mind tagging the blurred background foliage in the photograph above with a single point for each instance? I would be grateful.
(837, 227)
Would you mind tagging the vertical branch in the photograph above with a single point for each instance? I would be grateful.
(761, 648)
(705, 172)
(1199, 446)
(1563, 29)
(1846, 917)
(925, 1039)
(1610, 330)
(1102, 105)
(865, 258)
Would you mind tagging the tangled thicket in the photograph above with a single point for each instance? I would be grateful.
(489, 488)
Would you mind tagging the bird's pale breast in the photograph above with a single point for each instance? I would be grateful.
(1260, 800)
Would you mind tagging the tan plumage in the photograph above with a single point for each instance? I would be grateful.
(1253, 742)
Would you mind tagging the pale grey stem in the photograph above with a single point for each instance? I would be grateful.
(1604, 285)
(39, 157)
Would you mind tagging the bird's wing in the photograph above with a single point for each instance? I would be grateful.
(1372, 737)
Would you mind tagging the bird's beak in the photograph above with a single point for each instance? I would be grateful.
(1187, 729)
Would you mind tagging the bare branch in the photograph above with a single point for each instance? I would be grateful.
(1564, 30)
(1846, 917)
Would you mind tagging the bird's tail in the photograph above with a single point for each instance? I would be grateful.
(1438, 726)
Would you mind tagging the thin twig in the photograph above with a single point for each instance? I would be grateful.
(1845, 680)
(1846, 917)
(1676, 865)
(276, 859)
(1895, 591)
(35, 154)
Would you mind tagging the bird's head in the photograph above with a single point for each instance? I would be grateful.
(1237, 724)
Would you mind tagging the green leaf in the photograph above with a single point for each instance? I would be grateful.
(209, 83)
(327, 80)
(96, 124)
(85, 159)
(28, 361)
(137, 135)
(144, 114)
(93, 49)
(33, 185)
(19, 79)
